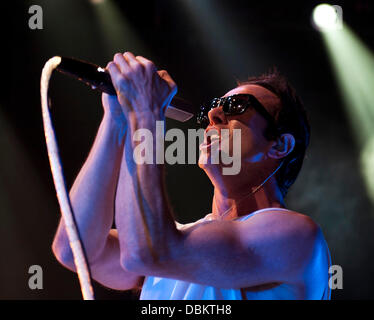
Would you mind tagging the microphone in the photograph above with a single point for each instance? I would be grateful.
(98, 78)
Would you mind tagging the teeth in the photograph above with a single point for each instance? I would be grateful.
(214, 137)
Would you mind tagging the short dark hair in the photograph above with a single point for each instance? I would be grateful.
(290, 118)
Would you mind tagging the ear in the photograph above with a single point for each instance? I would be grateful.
(282, 146)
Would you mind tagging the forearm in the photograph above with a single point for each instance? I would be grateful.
(144, 221)
(93, 192)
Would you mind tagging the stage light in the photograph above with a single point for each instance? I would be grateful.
(367, 165)
(231, 54)
(353, 64)
(117, 33)
(97, 1)
(327, 17)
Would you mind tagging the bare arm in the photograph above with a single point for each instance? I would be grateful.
(141, 197)
(271, 247)
(107, 269)
(92, 197)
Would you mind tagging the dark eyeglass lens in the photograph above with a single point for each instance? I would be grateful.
(235, 105)
(230, 105)
(215, 103)
(241, 105)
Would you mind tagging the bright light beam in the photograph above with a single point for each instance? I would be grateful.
(229, 51)
(327, 17)
(119, 35)
(353, 64)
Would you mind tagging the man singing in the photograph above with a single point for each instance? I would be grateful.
(249, 247)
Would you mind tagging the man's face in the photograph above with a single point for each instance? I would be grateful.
(254, 145)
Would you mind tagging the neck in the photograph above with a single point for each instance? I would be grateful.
(228, 206)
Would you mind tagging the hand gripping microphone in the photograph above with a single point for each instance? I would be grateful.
(98, 78)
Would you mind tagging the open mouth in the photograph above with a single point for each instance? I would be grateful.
(210, 139)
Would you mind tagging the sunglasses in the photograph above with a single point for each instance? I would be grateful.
(234, 105)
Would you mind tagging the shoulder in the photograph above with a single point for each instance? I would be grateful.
(289, 239)
(283, 221)
(303, 247)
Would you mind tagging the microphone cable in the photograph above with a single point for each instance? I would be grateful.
(79, 254)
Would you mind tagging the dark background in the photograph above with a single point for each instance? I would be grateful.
(205, 51)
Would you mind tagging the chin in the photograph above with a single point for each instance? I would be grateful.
(213, 171)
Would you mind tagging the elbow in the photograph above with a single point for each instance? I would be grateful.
(63, 255)
(61, 248)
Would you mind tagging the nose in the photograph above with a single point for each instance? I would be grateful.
(217, 116)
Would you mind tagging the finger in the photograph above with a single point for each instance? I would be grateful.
(148, 65)
(166, 76)
(119, 81)
(131, 60)
(135, 65)
(122, 63)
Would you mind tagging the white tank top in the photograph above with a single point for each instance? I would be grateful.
(156, 288)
